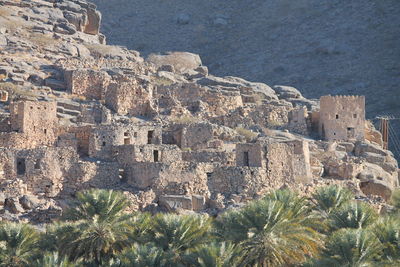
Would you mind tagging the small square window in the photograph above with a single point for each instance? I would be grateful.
(337, 116)
(104, 144)
(355, 116)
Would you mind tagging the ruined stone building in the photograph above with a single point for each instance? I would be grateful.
(170, 135)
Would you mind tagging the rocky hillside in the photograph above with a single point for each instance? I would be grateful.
(319, 47)
(76, 113)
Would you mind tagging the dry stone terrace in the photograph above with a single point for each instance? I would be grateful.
(166, 132)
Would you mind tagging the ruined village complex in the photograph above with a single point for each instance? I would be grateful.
(78, 114)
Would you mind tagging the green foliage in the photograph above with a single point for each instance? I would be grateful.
(54, 260)
(98, 203)
(387, 230)
(395, 199)
(281, 229)
(18, 244)
(216, 254)
(354, 214)
(350, 247)
(273, 231)
(178, 235)
(329, 198)
(141, 256)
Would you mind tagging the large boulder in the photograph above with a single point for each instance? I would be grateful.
(181, 61)
(362, 148)
(376, 181)
(229, 81)
(286, 92)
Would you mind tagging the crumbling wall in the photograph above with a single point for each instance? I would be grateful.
(42, 170)
(298, 121)
(128, 154)
(130, 95)
(177, 178)
(249, 155)
(104, 137)
(88, 83)
(220, 157)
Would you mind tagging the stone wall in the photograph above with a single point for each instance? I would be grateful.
(250, 155)
(104, 137)
(88, 83)
(32, 123)
(129, 95)
(221, 157)
(342, 118)
(128, 154)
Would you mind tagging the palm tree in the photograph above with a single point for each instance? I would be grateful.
(271, 232)
(350, 248)
(140, 256)
(354, 214)
(216, 254)
(178, 235)
(104, 204)
(54, 260)
(329, 198)
(96, 227)
(95, 240)
(387, 230)
(18, 244)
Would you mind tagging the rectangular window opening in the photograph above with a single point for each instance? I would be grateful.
(21, 167)
(150, 137)
(246, 158)
(155, 155)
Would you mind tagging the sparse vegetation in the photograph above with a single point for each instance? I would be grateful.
(281, 229)
(248, 134)
(162, 81)
(186, 119)
(99, 49)
(42, 39)
(16, 91)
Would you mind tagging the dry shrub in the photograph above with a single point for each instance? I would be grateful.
(42, 40)
(161, 81)
(15, 90)
(99, 49)
(185, 119)
(248, 134)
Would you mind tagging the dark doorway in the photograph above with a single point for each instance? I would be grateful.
(155, 155)
(21, 168)
(150, 137)
(350, 132)
(246, 158)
